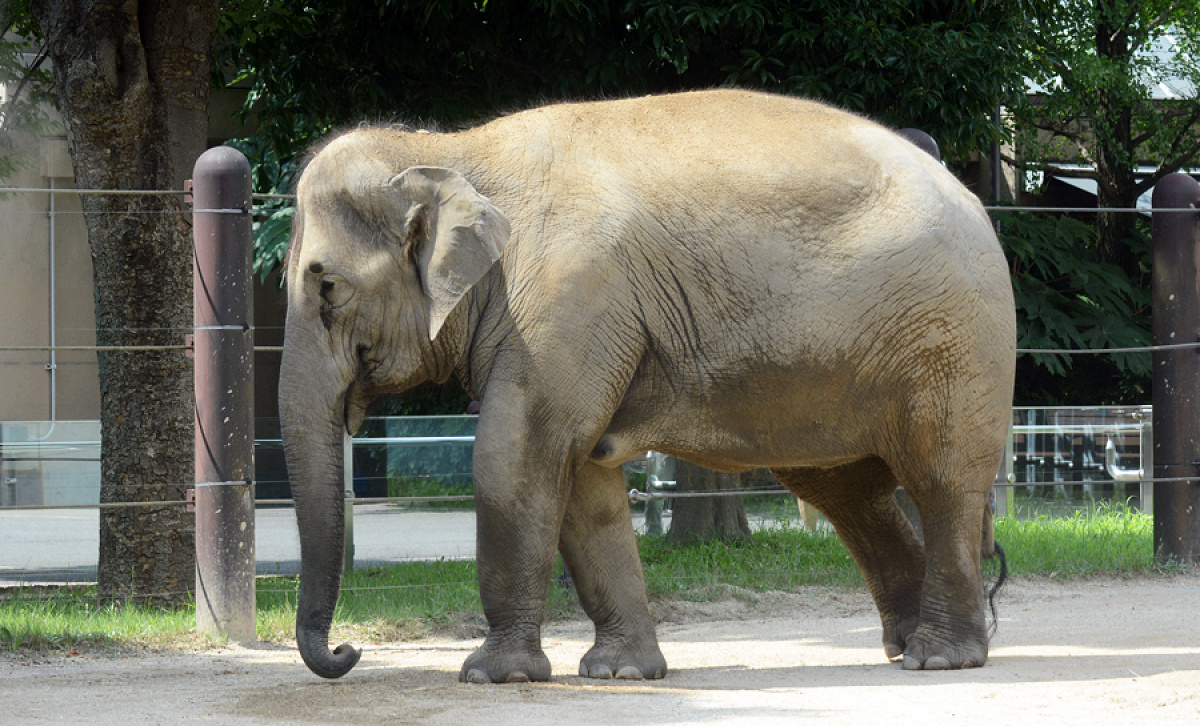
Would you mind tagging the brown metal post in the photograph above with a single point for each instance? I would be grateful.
(1176, 389)
(923, 141)
(224, 354)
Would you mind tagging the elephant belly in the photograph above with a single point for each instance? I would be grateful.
(730, 437)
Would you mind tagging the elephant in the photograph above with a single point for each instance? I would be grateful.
(735, 278)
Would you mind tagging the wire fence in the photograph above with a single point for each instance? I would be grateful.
(635, 495)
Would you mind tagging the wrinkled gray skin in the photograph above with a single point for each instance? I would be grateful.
(737, 279)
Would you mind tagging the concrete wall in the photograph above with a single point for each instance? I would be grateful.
(28, 233)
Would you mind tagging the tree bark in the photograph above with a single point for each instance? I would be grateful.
(703, 518)
(132, 81)
(1116, 152)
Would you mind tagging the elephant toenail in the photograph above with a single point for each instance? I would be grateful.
(630, 673)
(601, 671)
(968, 664)
(911, 663)
(892, 651)
(937, 663)
(517, 677)
(477, 676)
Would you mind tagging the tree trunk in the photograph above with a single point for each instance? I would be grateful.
(132, 80)
(694, 519)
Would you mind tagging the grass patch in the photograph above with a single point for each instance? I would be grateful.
(70, 619)
(411, 600)
(779, 558)
(399, 602)
(1110, 539)
(429, 486)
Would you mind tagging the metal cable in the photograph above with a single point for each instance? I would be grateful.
(96, 192)
(1099, 351)
(279, 348)
(634, 495)
(1089, 210)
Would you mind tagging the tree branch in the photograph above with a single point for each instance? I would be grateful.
(1049, 168)
(1169, 168)
(1060, 131)
(1136, 41)
(1071, 173)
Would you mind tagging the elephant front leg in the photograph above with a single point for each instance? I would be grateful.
(516, 531)
(599, 547)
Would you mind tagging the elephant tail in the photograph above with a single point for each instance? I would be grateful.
(1001, 578)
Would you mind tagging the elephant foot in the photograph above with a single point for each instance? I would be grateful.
(896, 635)
(491, 664)
(923, 653)
(626, 663)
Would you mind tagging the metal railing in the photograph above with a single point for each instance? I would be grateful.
(1043, 454)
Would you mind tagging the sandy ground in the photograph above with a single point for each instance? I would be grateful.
(1098, 652)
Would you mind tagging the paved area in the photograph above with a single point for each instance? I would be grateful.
(49, 546)
(62, 545)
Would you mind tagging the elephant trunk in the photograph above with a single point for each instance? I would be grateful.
(312, 424)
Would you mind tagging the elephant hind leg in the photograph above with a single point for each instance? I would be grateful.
(857, 499)
(598, 544)
(953, 631)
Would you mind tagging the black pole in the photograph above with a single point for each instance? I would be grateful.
(923, 141)
(1176, 388)
(224, 354)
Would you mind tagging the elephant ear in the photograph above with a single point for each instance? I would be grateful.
(454, 234)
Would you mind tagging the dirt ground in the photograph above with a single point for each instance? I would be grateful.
(1096, 652)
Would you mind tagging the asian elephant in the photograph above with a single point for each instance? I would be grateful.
(735, 278)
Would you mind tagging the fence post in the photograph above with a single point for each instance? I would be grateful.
(923, 141)
(1176, 390)
(348, 489)
(224, 354)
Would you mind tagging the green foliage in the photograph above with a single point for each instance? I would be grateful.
(272, 216)
(1095, 63)
(940, 65)
(436, 468)
(430, 486)
(1067, 299)
(24, 112)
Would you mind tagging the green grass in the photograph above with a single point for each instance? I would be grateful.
(429, 486)
(411, 600)
(71, 620)
(1105, 539)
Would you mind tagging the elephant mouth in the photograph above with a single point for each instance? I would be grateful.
(355, 403)
(355, 410)
(361, 391)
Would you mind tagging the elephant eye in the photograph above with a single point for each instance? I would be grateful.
(334, 290)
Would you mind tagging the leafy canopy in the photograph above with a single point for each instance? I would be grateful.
(313, 65)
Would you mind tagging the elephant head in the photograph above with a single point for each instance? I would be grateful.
(379, 260)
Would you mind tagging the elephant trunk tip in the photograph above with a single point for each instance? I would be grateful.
(326, 663)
